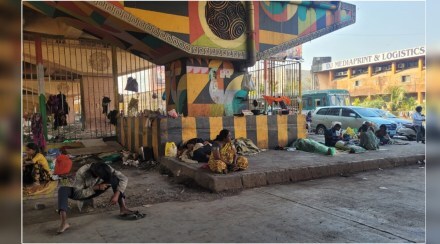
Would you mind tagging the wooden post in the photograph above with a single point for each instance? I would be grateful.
(115, 78)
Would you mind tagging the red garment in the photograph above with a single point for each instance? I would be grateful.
(63, 165)
(271, 99)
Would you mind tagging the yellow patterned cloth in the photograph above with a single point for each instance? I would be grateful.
(227, 153)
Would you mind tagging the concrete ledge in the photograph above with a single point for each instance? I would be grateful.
(275, 167)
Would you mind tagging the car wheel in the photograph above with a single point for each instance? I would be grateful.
(320, 129)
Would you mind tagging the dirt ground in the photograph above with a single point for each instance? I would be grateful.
(147, 185)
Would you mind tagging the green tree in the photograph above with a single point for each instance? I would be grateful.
(397, 98)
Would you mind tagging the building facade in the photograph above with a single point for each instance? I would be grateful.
(372, 75)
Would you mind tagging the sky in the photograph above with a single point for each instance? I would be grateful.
(381, 26)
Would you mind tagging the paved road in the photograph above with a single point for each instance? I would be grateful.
(377, 206)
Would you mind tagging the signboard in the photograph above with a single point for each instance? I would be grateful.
(376, 58)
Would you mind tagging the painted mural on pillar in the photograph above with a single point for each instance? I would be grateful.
(214, 88)
(176, 91)
(218, 24)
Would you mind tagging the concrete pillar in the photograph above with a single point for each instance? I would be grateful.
(393, 67)
(349, 73)
(331, 75)
(419, 97)
(204, 88)
(420, 64)
(370, 70)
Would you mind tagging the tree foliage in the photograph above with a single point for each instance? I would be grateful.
(396, 101)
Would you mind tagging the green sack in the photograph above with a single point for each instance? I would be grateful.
(309, 145)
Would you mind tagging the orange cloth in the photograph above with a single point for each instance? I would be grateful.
(271, 99)
(63, 165)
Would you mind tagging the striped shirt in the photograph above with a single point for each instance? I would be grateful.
(84, 182)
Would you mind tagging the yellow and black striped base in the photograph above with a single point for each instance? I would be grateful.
(265, 131)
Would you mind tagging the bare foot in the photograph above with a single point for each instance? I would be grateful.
(63, 228)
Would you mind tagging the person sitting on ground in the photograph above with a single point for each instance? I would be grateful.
(224, 156)
(91, 180)
(35, 168)
(63, 164)
(366, 125)
(333, 134)
(367, 138)
(382, 135)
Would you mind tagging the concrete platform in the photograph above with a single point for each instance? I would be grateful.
(275, 167)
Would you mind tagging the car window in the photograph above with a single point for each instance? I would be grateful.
(333, 111)
(367, 112)
(322, 111)
(346, 112)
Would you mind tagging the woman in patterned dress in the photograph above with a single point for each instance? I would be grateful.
(224, 157)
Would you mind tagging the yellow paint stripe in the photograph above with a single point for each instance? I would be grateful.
(282, 130)
(301, 126)
(129, 132)
(189, 129)
(274, 38)
(136, 133)
(166, 22)
(215, 126)
(262, 132)
(240, 127)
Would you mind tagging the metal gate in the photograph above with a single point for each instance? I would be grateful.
(276, 78)
(84, 72)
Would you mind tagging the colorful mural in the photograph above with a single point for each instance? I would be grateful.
(203, 87)
(162, 33)
(176, 90)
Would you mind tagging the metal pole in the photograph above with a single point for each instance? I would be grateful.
(40, 78)
(115, 78)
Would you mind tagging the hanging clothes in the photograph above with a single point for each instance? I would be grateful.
(132, 85)
(58, 106)
(37, 130)
(105, 102)
(113, 117)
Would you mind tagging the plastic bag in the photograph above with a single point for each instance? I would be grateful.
(173, 114)
(170, 149)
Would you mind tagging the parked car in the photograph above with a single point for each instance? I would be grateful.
(349, 116)
(389, 116)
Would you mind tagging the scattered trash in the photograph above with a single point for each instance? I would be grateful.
(131, 162)
(178, 173)
(182, 191)
(380, 169)
(291, 149)
(364, 178)
(383, 188)
(421, 167)
(147, 205)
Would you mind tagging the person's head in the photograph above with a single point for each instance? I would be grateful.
(190, 146)
(309, 113)
(383, 127)
(337, 125)
(419, 109)
(224, 135)
(32, 149)
(102, 171)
